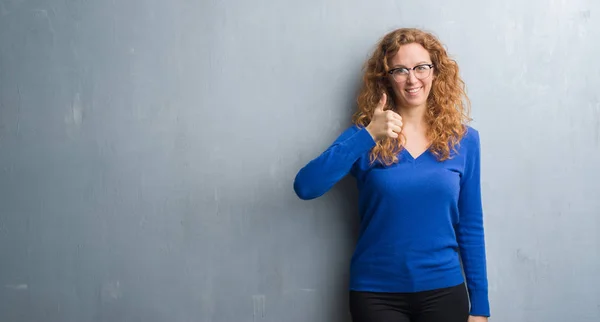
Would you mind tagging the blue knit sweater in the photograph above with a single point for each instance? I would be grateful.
(418, 218)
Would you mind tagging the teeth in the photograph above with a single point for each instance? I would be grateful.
(414, 90)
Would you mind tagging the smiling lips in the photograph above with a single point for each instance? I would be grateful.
(413, 91)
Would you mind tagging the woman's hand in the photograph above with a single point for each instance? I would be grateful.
(384, 124)
(477, 319)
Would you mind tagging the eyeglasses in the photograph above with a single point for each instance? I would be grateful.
(400, 74)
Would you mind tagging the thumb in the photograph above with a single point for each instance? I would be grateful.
(381, 104)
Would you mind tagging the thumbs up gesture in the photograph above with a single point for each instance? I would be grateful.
(384, 124)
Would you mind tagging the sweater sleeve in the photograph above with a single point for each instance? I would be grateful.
(324, 171)
(470, 230)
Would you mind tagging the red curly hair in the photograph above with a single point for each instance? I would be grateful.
(447, 105)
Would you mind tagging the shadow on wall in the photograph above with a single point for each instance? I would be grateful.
(346, 199)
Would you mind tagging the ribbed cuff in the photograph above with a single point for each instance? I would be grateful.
(360, 142)
(480, 305)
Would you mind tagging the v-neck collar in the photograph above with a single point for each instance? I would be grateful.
(413, 158)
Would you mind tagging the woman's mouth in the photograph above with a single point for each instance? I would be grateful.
(413, 91)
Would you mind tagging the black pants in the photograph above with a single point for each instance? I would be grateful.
(449, 304)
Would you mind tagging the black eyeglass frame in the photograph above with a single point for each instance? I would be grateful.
(431, 66)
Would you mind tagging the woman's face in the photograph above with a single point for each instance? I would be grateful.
(412, 75)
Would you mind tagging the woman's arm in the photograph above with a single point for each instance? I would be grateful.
(323, 172)
(470, 231)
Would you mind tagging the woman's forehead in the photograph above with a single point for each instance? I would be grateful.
(410, 55)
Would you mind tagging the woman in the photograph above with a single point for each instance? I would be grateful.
(417, 167)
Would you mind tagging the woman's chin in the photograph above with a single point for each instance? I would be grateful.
(414, 102)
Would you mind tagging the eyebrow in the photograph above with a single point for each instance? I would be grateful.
(419, 63)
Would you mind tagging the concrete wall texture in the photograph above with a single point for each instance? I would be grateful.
(148, 150)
